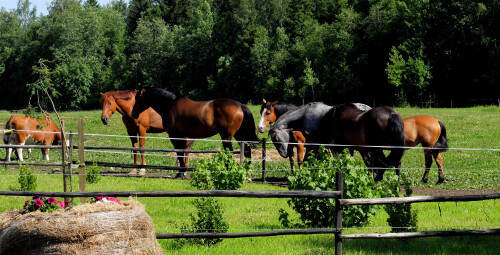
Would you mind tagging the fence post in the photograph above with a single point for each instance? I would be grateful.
(264, 160)
(81, 158)
(242, 152)
(63, 156)
(70, 161)
(339, 179)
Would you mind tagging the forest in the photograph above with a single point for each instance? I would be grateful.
(414, 52)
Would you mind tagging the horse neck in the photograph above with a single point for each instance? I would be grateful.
(281, 109)
(124, 106)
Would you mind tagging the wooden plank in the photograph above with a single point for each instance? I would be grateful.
(419, 199)
(339, 183)
(472, 232)
(183, 193)
(110, 164)
(246, 234)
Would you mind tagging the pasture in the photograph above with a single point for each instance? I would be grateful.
(467, 171)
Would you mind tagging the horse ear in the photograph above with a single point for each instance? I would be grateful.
(264, 100)
(274, 103)
(101, 93)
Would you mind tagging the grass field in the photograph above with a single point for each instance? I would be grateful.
(465, 169)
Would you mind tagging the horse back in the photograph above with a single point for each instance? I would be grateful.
(29, 126)
(422, 129)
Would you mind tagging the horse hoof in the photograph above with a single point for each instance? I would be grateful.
(182, 176)
(142, 173)
(440, 181)
(132, 173)
(423, 181)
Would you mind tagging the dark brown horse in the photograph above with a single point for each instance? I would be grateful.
(183, 118)
(270, 112)
(431, 133)
(367, 132)
(149, 121)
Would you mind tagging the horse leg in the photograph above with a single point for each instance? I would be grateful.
(439, 163)
(428, 163)
(133, 139)
(20, 152)
(291, 157)
(142, 144)
(189, 143)
(180, 145)
(300, 153)
(45, 154)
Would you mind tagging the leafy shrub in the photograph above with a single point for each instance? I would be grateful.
(93, 175)
(209, 219)
(26, 179)
(319, 174)
(401, 216)
(220, 172)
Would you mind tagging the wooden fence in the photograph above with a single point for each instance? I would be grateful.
(340, 202)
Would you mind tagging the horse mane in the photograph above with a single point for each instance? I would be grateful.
(162, 93)
(281, 108)
(125, 95)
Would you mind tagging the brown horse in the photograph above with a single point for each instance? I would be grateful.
(183, 118)
(42, 131)
(148, 121)
(270, 112)
(431, 133)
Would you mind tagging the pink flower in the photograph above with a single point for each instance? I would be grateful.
(38, 202)
(66, 204)
(26, 202)
(51, 200)
(60, 203)
(99, 198)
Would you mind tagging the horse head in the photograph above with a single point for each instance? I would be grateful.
(280, 138)
(268, 115)
(108, 107)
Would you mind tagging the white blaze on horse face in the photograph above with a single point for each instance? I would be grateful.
(262, 128)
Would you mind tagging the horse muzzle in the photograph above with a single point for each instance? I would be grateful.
(261, 129)
(105, 120)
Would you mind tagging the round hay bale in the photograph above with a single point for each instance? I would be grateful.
(100, 228)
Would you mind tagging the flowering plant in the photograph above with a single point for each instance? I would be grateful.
(39, 203)
(102, 199)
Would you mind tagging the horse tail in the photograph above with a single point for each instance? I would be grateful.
(246, 132)
(396, 138)
(8, 125)
(442, 142)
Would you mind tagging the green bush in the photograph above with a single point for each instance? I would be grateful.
(401, 216)
(209, 219)
(319, 174)
(220, 172)
(26, 179)
(93, 175)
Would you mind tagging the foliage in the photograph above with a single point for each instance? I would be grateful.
(26, 178)
(43, 204)
(93, 175)
(402, 218)
(209, 219)
(319, 174)
(220, 172)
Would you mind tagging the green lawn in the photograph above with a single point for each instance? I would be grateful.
(465, 169)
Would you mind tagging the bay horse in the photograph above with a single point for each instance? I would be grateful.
(41, 131)
(431, 133)
(149, 121)
(346, 124)
(185, 118)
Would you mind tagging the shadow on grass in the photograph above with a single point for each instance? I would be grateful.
(432, 245)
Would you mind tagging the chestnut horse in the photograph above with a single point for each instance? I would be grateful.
(270, 112)
(41, 131)
(431, 133)
(185, 118)
(366, 132)
(148, 121)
